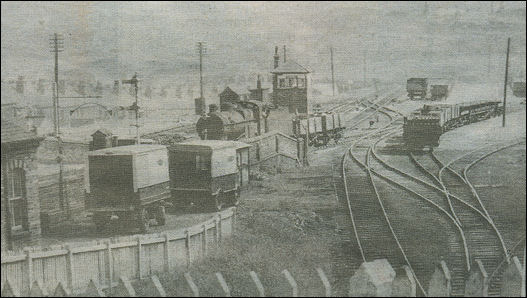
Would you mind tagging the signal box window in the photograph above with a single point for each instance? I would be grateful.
(16, 193)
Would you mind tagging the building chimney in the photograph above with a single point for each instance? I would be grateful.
(258, 83)
(276, 57)
(284, 53)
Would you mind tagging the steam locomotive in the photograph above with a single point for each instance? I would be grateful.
(234, 121)
(424, 126)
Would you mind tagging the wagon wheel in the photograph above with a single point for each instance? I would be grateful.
(143, 220)
(160, 215)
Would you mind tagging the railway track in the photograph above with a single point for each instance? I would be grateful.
(478, 233)
(372, 228)
(484, 240)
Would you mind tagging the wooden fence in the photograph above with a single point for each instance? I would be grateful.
(372, 279)
(107, 261)
(275, 144)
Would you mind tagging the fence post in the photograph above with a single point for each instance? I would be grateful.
(139, 258)
(158, 286)
(223, 284)
(9, 291)
(29, 261)
(217, 227)
(220, 231)
(166, 253)
(292, 282)
(110, 265)
(93, 290)
(37, 290)
(477, 284)
(325, 281)
(69, 266)
(191, 284)
(258, 283)
(204, 242)
(187, 247)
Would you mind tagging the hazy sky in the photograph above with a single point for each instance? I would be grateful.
(112, 39)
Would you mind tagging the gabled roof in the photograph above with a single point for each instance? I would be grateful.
(290, 67)
(228, 90)
(14, 130)
(104, 131)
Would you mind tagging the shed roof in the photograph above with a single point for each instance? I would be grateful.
(14, 130)
(104, 131)
(290, 67)
(209, 145)
(127, 150)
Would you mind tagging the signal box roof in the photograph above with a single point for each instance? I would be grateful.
(127, 150)
(290, 67)
(208, 145)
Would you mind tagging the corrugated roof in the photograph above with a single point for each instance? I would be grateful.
(14, 130)
(290, 67)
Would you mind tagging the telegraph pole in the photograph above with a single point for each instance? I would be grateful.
(506, 78)
(201, 50)
(57, 45)
(332, 72)
(135, 106)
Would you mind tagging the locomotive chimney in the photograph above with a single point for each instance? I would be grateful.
(276, 57)
(284, 53)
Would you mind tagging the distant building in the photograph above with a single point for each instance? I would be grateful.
(290, 84)
(260, 94)
(228, 96)
(20, 208)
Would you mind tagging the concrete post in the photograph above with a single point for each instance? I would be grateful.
(191, 284)
(512, 279)
(93, 290)
(477, 284)
(440, 283)
(292, 282)
(124, 288)
(404, 284)
(9, 291)
(157, 286)
(325, 281)
(61, 291)
(223, 284)
(258, 283)
(37, 290)
(372, 279)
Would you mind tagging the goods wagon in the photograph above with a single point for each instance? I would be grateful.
(208, 173)
(425, 126)
(129, 183)
(319, 128)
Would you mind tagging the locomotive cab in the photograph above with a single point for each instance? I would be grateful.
(208, 173)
